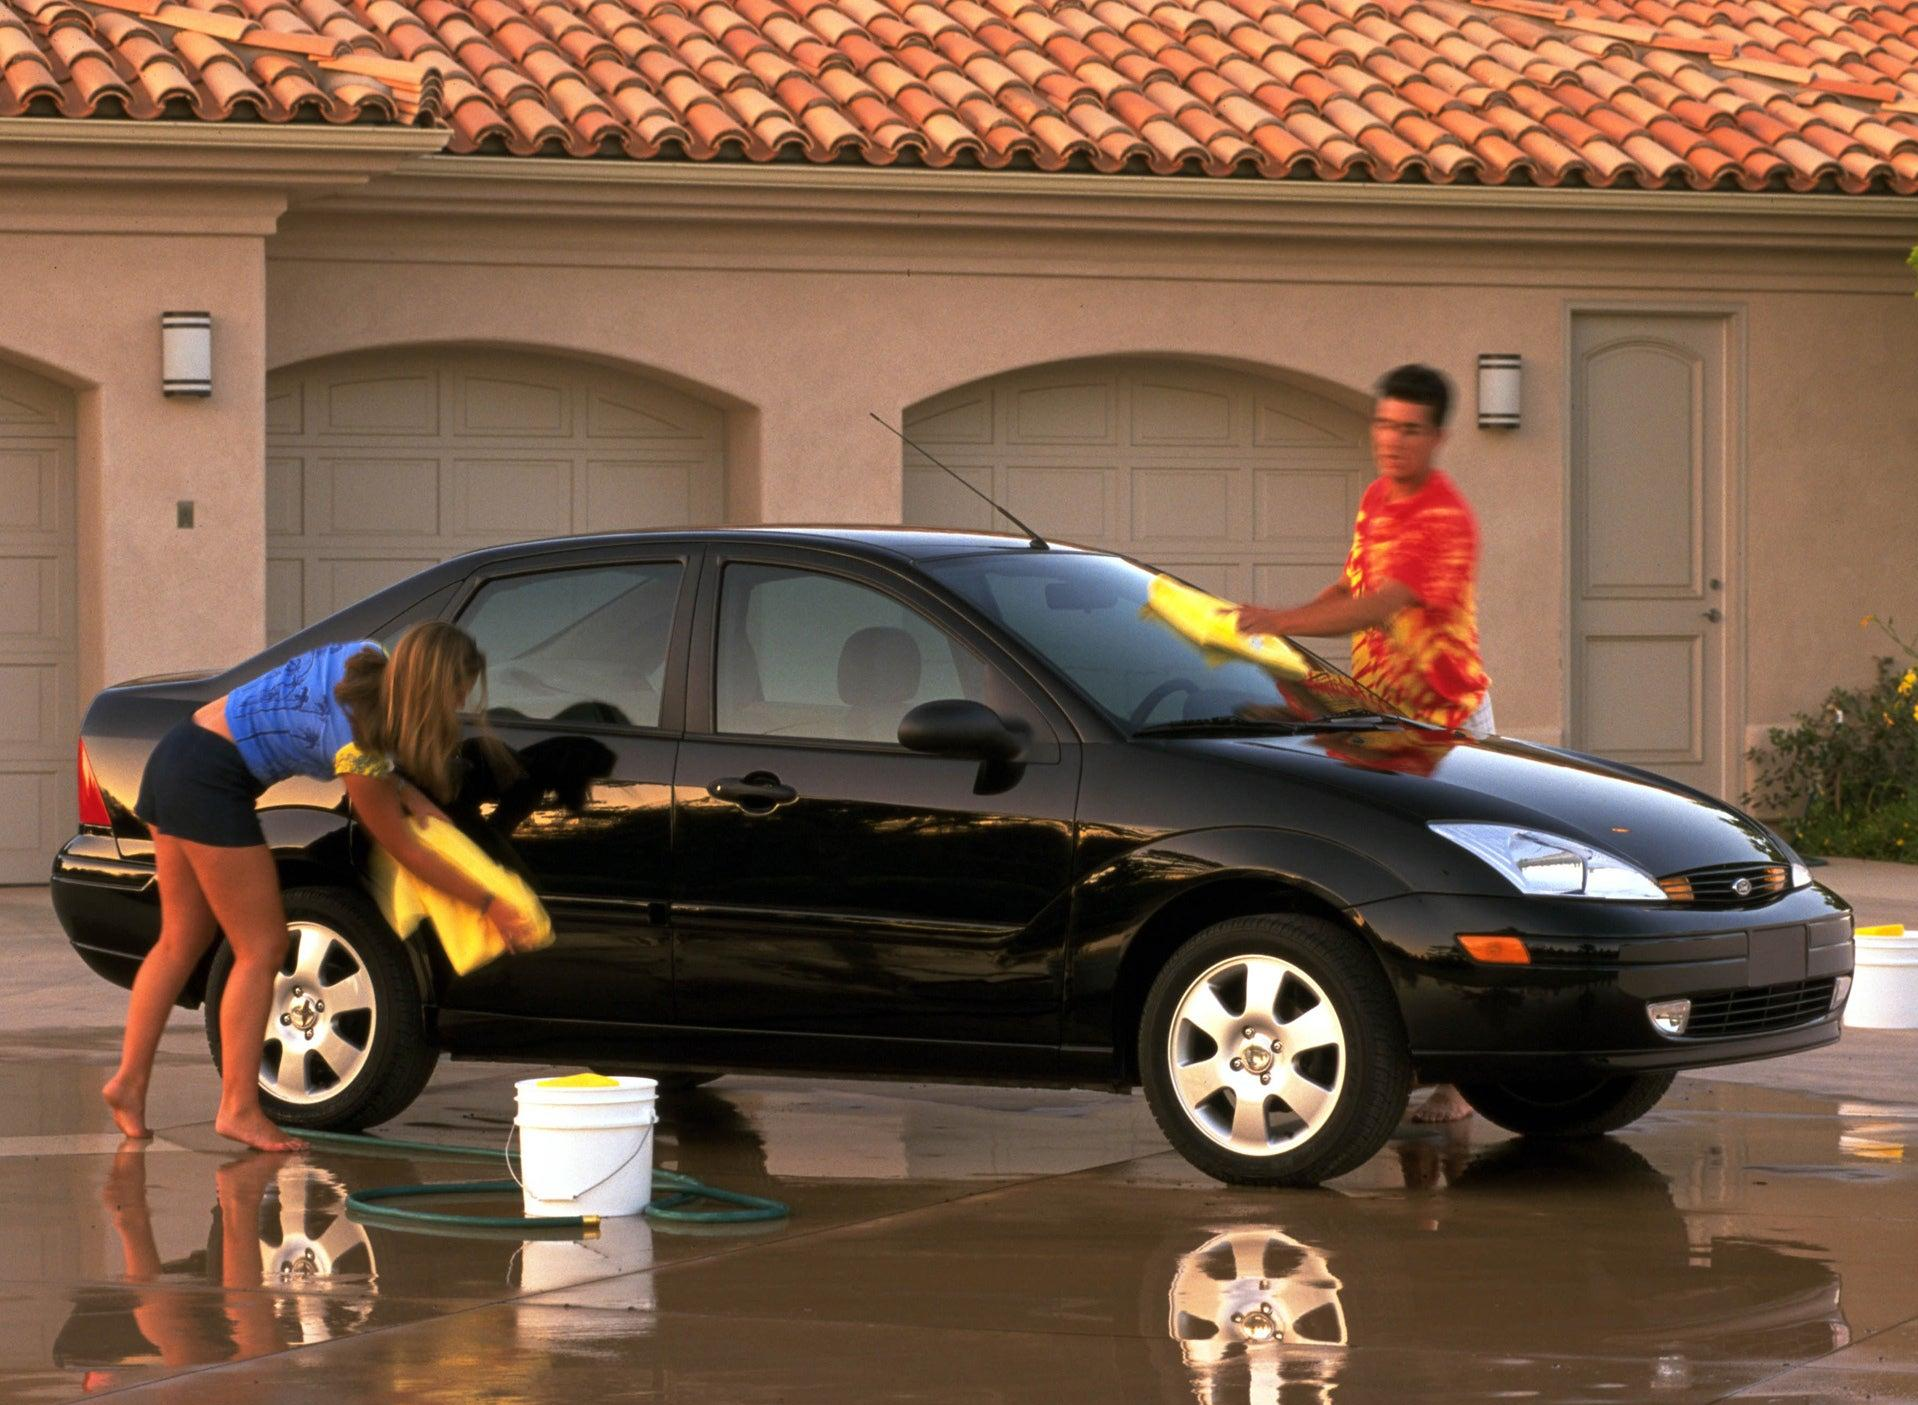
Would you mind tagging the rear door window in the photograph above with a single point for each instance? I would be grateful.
(585, 645)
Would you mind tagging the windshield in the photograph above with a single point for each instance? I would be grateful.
(1091, 618)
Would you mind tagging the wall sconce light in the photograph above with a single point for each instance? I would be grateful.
(1501, 379)
(186, 353)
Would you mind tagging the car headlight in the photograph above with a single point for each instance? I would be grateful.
(1551, 865)
(1800, 876)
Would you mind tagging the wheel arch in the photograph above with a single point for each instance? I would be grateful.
(1192, 910)
(313, 849)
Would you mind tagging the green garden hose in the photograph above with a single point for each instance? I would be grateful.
(682, 1190)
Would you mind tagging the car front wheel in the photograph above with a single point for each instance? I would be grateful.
(1272, 1051)
(1567, 1107)
(346, 1043)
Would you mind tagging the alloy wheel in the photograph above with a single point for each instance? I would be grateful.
(321, 1022)
(1257, 1055)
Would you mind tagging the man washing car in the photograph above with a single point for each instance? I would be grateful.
(1408, 592)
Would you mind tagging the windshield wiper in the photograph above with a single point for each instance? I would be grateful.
(1382, 719)
(1337, 722)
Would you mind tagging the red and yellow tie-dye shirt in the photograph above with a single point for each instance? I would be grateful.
(1425, 660)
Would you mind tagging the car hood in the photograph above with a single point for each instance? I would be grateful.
(1424, 775)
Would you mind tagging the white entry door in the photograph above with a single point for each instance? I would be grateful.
(1652, 602)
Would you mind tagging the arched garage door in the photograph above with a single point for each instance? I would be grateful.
(382, 463)
(1243, 485)
(39, 693)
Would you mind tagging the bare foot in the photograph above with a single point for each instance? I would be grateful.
(1446, 1104)
(255, 1131)
(128, 1106)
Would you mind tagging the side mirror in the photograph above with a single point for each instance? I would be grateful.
(957, 727)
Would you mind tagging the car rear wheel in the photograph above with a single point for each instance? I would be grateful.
(1567, 1107)
(346, 1042)
(1272, 1051)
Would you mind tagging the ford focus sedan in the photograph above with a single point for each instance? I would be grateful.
(928, 804)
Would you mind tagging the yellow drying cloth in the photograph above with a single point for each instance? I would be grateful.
(1894, 930)
(580, 1080)
(470, 940)
(1210, 623)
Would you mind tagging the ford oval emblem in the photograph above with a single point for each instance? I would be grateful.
(1742, 887)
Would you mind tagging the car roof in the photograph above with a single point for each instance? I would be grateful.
(898, 543)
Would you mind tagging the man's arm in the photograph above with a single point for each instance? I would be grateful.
(1331, 613)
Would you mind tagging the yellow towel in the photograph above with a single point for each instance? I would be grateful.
(1210, 623)
(470, 940)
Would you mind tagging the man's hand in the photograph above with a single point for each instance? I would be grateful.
(1257, 619)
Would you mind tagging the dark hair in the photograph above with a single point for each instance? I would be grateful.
(1418, 385)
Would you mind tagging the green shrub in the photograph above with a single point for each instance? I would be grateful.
(1845, 779)
(1888, 832)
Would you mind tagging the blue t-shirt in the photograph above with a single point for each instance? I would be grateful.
(288, 723)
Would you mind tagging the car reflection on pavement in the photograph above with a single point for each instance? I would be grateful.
(278, 1224)
(1616, 1294)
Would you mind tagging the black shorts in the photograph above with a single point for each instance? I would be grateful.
(197, 787)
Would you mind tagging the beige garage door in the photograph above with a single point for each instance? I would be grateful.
(1243, 485)
(39, 698)
(381, 464)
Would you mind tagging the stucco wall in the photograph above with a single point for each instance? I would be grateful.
(799, 323)
(813, 354)
(803, 332)
(84, 310)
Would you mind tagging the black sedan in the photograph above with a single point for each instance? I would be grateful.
(926, 804)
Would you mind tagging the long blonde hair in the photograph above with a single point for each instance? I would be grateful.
(407, 706)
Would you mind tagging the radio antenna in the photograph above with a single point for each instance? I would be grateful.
(1037, 542)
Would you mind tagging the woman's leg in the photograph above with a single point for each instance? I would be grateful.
(243, 888)
(187, 929)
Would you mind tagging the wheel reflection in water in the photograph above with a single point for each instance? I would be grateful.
(310, 1248)
(1257, 1302)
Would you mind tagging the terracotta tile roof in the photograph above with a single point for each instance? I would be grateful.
(1684, 94)
(154, 59)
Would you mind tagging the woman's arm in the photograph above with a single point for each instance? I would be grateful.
(376, 800)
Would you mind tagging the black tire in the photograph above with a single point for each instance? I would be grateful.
(1375, 1065)
(1568, 1107)
(390, 1057)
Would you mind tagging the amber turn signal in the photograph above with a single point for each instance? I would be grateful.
(1496, 951)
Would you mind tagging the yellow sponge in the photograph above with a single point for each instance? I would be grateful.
(580, 1080)
(1210, 623)
(470, 941)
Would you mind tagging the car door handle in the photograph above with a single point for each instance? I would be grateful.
(760, 792)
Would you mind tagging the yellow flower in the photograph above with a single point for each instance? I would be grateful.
(1865, 623)
(1906, 683)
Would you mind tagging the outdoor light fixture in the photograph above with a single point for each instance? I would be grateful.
(1670, 1016)
(186, 353)
(1501, 378)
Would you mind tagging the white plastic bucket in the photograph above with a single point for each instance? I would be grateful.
(585, 1150)
(1884, 987)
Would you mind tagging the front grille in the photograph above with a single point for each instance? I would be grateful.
(1759, 1009)
(1719, 886)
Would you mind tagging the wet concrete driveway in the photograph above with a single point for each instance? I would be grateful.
(966, 1245)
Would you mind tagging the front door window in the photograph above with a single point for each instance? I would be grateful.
(816, 657)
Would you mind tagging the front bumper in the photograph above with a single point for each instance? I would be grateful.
(1580, 1005)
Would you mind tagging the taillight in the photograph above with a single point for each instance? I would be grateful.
(93, 803)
